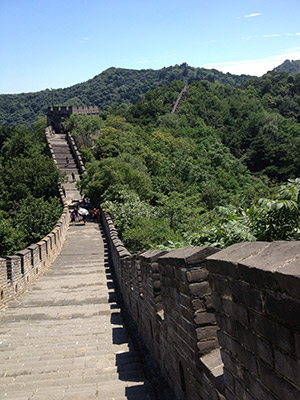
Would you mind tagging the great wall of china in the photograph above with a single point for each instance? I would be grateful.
(217, 324)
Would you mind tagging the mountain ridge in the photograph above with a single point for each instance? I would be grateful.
(113, 86)
(291, 67)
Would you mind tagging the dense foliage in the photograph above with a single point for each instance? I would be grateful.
(29, 206)
(112, 87)
(213, 173)
(291, 67)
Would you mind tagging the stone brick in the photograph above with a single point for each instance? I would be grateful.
(282, 308)
(209, 303)
(241, 392)
(198, 305)
(276, 384)
(196, 275)
(199, 289)
(206, 332)
(235, 311)
(226, 324)
(288, 367)
(231, 363)
(204, 318)
(216, 301)
(272, 331)
(220, 285)
(288, 278)
(256, 386)
(240, 353)
(228, 378)
(246, 294)
(254, 343)
(207, 346)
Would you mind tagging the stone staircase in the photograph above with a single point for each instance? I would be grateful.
(62, 153)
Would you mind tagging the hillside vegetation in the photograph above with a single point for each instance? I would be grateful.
(29, 206)
(112, 87)
(291, 67)
(222, 170)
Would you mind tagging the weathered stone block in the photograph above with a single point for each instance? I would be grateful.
(276, 384)
(198, 305)
(197, 275)
(235, 311)
(272, 331)
(204, 318)
(220, 285)
(246, 294)
(207, 346)
(207, 332)
(254, 343)
(283, 308)
(244, 356)
(200, 289)
(288, 367)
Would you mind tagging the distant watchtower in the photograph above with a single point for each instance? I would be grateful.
(57, 115)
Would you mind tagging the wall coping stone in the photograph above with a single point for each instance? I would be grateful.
(23, 252)
(187, 256)
(275, 264)
(151, 255)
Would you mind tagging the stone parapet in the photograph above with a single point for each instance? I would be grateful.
(256, 294)
(218, 324)
(168, 298)
(76, 153)
(19, 270)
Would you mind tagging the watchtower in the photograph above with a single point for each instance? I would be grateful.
(57, 115)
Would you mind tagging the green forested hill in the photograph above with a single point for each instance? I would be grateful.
(291, 67)
(112, 87)
(214, 173)
(223, 169)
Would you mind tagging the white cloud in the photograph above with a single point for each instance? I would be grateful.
(254, 67)
(273, 35)
(252, 15)
(292, 50)
(144, 61)
(84, 40)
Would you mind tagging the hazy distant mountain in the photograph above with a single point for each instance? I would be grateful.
(291, 67)
(112, 87)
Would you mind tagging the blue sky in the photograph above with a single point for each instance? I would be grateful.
(55, 44)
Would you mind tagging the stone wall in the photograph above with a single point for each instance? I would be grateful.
(76, 153)
(197, 308)
(169, 300)
(256, 293)
(19, 270)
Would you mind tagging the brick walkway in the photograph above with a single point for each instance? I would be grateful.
(65, 338)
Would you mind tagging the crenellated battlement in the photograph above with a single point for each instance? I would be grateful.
(57, 114)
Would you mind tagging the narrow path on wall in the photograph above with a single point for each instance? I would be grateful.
(66, 165)
(65, 337)
(180, 98)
